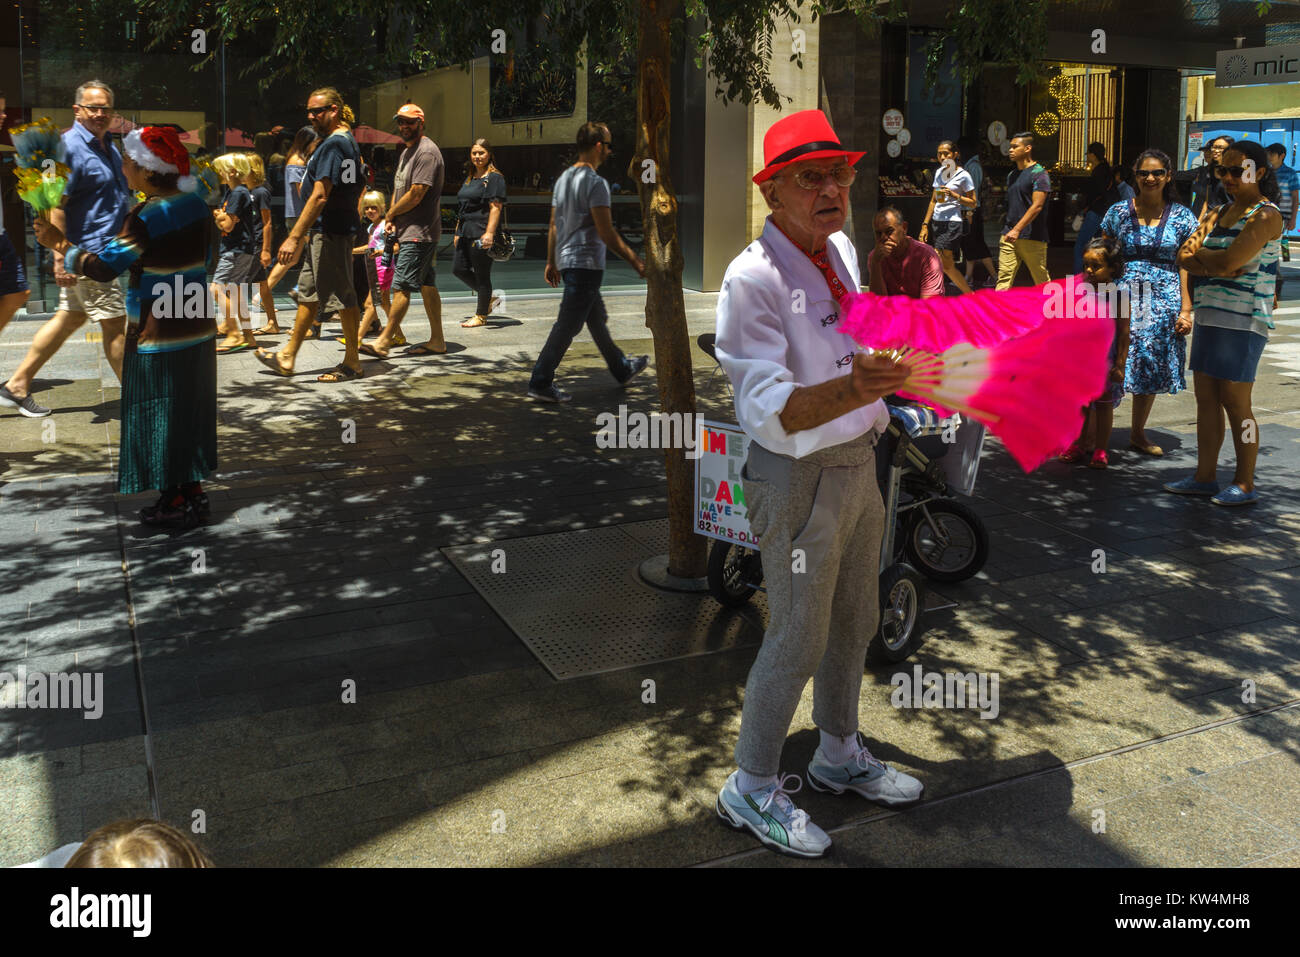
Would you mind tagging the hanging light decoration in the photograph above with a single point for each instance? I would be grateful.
(1046, 124)
(1060, 85)
(1071, 105)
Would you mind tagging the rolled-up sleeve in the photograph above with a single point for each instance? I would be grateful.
(752, 349)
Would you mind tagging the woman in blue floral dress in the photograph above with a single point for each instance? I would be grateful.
(1150, 229)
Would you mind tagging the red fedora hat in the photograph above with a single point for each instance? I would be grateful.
(801, 136)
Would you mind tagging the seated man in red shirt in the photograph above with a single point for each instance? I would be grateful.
(900, 266)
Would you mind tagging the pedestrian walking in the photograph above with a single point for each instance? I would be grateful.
(237, 263)
(581, 229)
(295, 168)
(324, 231)
(899, 265)
(169, 374)
(811, 405)
(1103, 264)
(14, 289)
(1236, 252)
(414, 217)
(1094, 191)
(377, 257)
(1208, 193)
(974, 248)
(1150, 230)
(263, 234)
(94, 206)
(1288, 203)
(1024, 237)
(482, 202)
(953, 193)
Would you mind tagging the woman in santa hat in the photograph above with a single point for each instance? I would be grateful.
(169, 375)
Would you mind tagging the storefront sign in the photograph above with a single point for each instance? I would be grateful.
(904, 137)
(1258, 66)
(997, 132)
(720, 509)
(892, 148)
(893, 121)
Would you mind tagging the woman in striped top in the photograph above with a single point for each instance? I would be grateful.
(1236, 253)
(169, 375)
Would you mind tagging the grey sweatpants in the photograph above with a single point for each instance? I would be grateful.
(820, 519)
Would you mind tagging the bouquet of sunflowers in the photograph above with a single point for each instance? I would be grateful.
(40, 168)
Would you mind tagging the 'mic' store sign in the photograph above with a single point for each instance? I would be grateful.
(1258, 65)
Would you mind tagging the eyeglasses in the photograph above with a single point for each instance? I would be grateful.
(1150, 173)
(95, 110)
(814, 178)
(1234, 171)
(317, 111)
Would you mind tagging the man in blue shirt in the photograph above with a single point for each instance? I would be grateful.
(581, 228)
(1288, 202)
(95, 203)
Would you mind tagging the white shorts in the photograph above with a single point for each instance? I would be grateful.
(98, 300)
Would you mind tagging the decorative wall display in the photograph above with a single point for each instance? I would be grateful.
(1046, 124)
(997, 133)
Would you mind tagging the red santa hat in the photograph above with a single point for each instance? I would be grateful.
(159, 150)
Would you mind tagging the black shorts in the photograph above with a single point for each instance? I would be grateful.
(946, 235)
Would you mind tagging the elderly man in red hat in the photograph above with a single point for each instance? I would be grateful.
(811, 404)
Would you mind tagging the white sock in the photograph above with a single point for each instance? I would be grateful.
(839, 750)
(747, 783)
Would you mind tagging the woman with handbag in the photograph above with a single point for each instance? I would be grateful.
(482, 200)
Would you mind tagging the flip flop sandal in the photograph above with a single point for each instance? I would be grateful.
(399, 340)
(367, 349)
(268, 330)
(423, 350)
(1152, 450)
(340, 373)
(473, 322)
(313, 332)
(272, 362)
(236, 348)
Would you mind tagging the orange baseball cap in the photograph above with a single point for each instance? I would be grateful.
(411, 111)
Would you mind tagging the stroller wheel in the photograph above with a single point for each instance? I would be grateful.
(956, 551)
(902, 601)
(735, 572)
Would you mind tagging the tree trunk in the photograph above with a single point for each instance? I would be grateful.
(665, 309)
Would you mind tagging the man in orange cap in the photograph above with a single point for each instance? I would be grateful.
(414, 219)
(811, 404)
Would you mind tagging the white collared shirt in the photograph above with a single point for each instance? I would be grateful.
(778, 330)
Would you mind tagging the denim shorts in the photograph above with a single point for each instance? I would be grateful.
(1231, 354)
(415, 267)
(12, 276)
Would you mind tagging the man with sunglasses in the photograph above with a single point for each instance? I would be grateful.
(414, 222)
(1207, 191)
(581, 227)
(94, 207)
(811, 405)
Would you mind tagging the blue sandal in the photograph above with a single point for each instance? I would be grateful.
(1235, 495)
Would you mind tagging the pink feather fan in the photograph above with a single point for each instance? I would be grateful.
(1009, 359)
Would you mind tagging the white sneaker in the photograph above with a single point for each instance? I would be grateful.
(771, 816)
(864, 775)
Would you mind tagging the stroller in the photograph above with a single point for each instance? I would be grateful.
(928, 534)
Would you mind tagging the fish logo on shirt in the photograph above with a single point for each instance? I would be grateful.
(841, 363)
(830, 320)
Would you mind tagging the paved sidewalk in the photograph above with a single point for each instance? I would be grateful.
(227, 651)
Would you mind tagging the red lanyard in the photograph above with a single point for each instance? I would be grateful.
(822, 261)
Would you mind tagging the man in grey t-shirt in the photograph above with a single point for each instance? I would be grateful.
(581, 227)
(414, 219)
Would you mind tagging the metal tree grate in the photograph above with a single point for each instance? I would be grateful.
(576, 601)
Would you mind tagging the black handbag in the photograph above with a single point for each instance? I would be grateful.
(503, 243)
